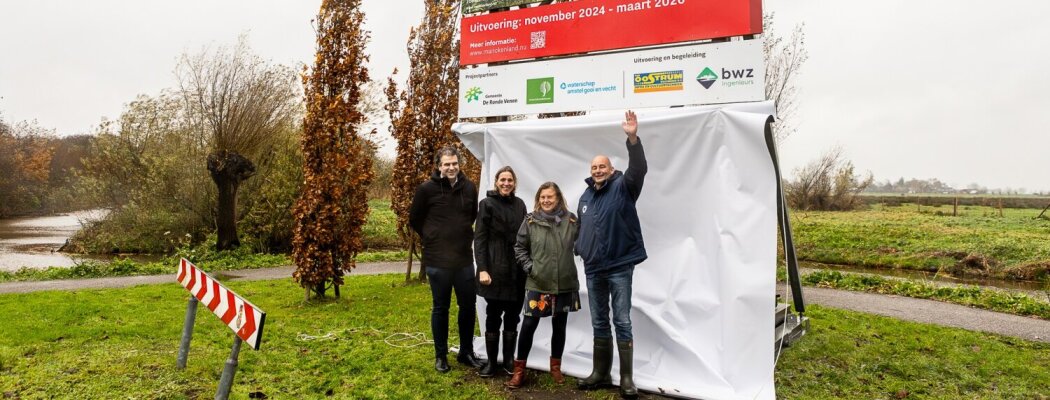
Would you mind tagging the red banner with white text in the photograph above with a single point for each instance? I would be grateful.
(596, 25)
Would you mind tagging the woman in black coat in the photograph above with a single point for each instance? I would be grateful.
(499, 279)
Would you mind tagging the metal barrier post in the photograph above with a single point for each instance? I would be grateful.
(226, 380)
(187, 333)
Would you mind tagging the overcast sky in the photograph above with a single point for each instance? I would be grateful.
(926, 89)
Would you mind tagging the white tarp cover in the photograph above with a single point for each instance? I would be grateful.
(703, 302)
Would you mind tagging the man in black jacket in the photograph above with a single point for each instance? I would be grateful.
(443, 210)
(610, 243)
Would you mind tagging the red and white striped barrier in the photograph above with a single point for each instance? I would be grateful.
(243, 317)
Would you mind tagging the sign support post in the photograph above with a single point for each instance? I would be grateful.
(187, 332)
(226, 380)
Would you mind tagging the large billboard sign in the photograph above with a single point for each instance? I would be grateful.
(712, 73)
(596, 25)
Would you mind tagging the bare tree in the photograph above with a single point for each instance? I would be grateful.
(236, 103)
(827, 183)
(372, 104)
(784, 59)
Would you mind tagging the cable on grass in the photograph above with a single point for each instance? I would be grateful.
(402, 340)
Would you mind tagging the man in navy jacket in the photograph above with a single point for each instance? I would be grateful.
(610, 244)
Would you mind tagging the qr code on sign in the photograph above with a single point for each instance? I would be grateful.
(539, 40)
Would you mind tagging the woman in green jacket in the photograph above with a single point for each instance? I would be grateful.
(544, 252)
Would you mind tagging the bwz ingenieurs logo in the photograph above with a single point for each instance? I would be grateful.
(729, 77)
(473, 94)
(707, 78)
(539, 90)
(658, 81)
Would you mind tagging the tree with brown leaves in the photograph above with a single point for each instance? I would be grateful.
(422, 114)
(25, 162)
(337, 167)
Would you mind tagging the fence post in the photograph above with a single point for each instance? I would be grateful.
(187, 333)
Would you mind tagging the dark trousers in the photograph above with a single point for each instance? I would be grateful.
(528, 329)
(503, 312)
(442, 283)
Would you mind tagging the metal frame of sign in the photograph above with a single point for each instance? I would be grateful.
(474, 6)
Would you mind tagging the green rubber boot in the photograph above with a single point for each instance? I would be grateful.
(627, 388)
(599, 377)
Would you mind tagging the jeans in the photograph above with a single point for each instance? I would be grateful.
(442, 283)
(617, 285)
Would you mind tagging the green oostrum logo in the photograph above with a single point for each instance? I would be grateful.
(473, 94)
(707, 78)
(539, 90)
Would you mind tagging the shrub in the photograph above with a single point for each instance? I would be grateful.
(828, 183)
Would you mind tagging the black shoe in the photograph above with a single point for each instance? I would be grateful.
(470, 360)
(441, 365)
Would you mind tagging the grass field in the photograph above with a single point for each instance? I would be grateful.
(370, 344)
(380, 230)
(970, 296)
(977, 242)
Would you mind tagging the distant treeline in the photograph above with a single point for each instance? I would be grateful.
(38, 170)
(964, 200)
(934, 185)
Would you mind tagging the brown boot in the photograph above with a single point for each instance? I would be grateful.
(517, 379)
(556, 371)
